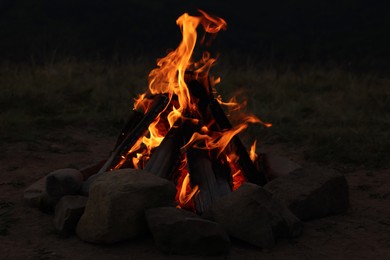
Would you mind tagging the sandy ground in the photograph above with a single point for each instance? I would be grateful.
(361, 233)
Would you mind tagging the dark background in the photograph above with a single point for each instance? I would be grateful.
(354, 32)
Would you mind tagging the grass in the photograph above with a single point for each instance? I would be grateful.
(332, 114)
(38, 98)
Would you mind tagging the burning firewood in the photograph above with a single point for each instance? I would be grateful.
(182, 116)
(165, 160)
(202, 174)
(122, 150)
(208, 104)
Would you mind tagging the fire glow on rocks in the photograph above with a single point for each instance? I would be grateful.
(180, 102)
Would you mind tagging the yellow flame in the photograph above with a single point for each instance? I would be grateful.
(186, 193)
(252, 152)
(168, 77)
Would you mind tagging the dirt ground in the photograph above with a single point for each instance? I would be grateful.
(363, 232)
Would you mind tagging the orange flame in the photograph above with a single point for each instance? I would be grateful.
(219, 140)
(168, 77)
(237, 174)
(185, 192)
(252, 152)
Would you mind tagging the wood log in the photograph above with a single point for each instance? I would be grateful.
(244, 161)
(200, 168)
(208, 104)
(202, 174)
(166, 158)
(92, 169)
(159, 103)
(132, 121)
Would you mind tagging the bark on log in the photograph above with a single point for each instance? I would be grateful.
(90, 170)
(165, 159)
(200, 167)
(159, 103)
(208, 104)
(132, 121)
(202, 174)
(244, 161)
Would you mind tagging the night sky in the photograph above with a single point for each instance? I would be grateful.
(284, 30)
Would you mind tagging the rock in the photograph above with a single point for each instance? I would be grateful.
(115, 209)
(35, 196)
(68, 213)
(177, 231)
(86, 185)
(64, 182)
(253, 215)
(312, 192)
(277, 166)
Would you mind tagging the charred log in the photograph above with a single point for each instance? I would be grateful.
(252, 174)
(159, 103)
(90, 170)
(166, 158)
(207, 105)
(200, 167)
(132, 121)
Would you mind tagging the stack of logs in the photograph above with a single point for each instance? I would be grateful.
(208, 169)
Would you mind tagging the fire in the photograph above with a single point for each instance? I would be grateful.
(252, 152)
(169, 78)
(220, 140)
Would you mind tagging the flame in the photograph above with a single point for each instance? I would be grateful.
(252, 152)
(237, 174)
(232, 104)
(136, 160)
(185, 192)
(168, 78)
(219, 140)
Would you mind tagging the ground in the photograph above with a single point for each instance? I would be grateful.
(363, 232)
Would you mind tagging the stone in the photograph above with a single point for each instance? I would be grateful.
(116, 205)
(86, 185)
(254, 215)
(63, 182)
(68, 213)
(35, 196)
(312, 192)
(177, 231)
(277, 166)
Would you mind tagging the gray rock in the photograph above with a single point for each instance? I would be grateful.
(277, 166)
(115, 209)
(64, 182)
(253, 215)
(68, 213)
(178, 231)
(312, 192)
(35, 196)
